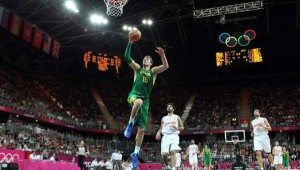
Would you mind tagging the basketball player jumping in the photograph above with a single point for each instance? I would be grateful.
(171, 125)
(261, 139)
(277, 152)
(138, 99)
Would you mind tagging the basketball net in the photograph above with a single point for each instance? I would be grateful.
(235, 141)
(115, 7)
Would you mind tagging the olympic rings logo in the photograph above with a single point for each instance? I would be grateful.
(237, 38)
(7, 158)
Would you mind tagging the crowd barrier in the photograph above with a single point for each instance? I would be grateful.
(46, 165)
(20, 158)
(8, 156)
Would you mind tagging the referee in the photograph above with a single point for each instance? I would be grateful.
(81, 152)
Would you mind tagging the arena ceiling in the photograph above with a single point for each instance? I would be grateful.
(190, 43)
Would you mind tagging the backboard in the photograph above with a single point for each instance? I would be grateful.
(231, 135)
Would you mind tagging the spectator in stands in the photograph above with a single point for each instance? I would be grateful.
(127, 164)
(108, 164)
(44, 155)
(94, 164)
(216, 166)
(33, 155)
(53, 157)
(101, 164)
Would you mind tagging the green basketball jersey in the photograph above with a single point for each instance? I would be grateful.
(206, 152)
(285, 154)
(143, 83)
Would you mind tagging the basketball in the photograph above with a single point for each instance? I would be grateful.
(134, 35)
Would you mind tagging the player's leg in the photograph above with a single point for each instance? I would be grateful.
(276, 162)
(165, 150)
(141, 122)
(174, 147)
(258, 149)
(280, 163)
(194, 166)
(194, 162)
(165, 160)
(209, 164)
(178, 162)
(191, 161)
(266, 145)
(206, 162)
(136, 107)
(138, 143)
(259, 159)
(173, 159)
(135, 104)
(285, 163)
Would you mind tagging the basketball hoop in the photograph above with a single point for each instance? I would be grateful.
(115, 7)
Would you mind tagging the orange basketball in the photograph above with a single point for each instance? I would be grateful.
(134, 35)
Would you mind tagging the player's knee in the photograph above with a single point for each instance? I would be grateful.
(138, 102)
(141, 131)
(164, 154)
(258, 153)
(173, 152)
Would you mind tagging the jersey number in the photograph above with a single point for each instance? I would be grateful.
(145, 79)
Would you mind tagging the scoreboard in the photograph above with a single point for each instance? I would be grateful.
(238, 56)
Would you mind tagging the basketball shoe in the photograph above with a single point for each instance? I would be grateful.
(128, 130)
(135, 160)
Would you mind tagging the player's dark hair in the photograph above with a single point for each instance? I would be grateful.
(257, 110)
(172, 104)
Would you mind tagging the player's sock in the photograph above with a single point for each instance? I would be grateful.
(137, 150)
(173, 168)
(131, 120)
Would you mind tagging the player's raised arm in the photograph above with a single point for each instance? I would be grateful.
(129, 59)
(165, 64)
(268, 126)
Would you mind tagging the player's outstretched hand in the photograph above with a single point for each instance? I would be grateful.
(160, 51)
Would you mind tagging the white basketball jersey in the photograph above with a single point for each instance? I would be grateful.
(278, 150)
(193, 149)
(169, 121)
(257, 125)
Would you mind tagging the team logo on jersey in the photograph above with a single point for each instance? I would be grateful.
(143, 72)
